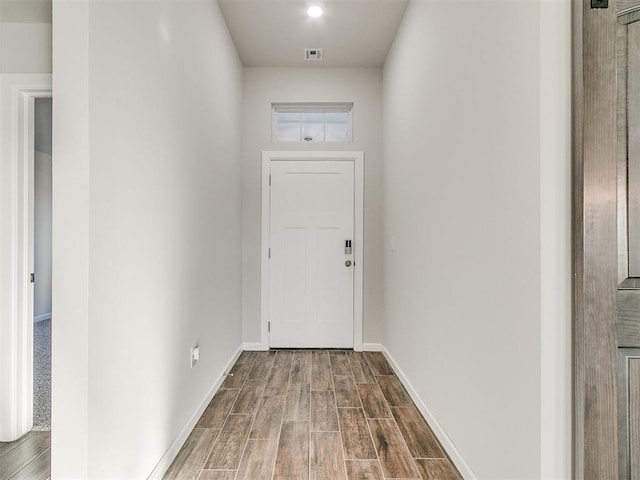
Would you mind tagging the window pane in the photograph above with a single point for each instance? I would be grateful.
(337, 132)
(289, 132)
(313, 117)
(312, 132)
(284, 117)
(337, 117)
(313, 122)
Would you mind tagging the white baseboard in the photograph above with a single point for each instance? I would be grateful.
(437, 429)
(40, 318)
(171, 453)
(366, 347)
(253, 347)
(372, 347)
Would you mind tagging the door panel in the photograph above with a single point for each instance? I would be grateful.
(634, 413)
(628, 294)
(330, 267)
(311, 288)
(294, 276)
(629, 409)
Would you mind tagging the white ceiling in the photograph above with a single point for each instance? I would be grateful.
(273, 33)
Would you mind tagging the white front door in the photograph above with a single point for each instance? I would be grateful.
(311, 275)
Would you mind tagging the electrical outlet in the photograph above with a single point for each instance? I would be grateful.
(195, 355)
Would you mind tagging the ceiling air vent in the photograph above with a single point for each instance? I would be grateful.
(313, 54)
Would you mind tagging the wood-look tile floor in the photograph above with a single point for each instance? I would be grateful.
(27, 458)
(311, 415)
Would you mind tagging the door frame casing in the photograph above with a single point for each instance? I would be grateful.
(595, 263)
(357, 157)
(18, 94)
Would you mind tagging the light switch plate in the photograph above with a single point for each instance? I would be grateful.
(195, 355)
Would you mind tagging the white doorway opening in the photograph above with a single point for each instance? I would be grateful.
(18, 93)
(42, 264)
(312, 249)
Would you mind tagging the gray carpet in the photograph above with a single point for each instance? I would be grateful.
(42, 375)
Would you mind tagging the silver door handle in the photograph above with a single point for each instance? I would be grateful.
(347, 263)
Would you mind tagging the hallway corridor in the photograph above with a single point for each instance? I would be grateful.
(311, 415)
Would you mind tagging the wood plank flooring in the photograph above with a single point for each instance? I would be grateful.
(27, 458)
(311, 415)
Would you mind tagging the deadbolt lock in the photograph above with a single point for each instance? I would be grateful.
(347, 263)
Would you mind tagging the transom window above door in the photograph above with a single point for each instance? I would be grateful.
(312, 122)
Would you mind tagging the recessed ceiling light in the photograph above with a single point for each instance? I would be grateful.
(314, 11)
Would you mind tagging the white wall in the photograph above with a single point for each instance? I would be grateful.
(262, 86)
(19, 11)
(42, 208)
(555, 236)
(25, 36)
(147, 227)
(25, 47)
(466, 298)
(42, 236)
